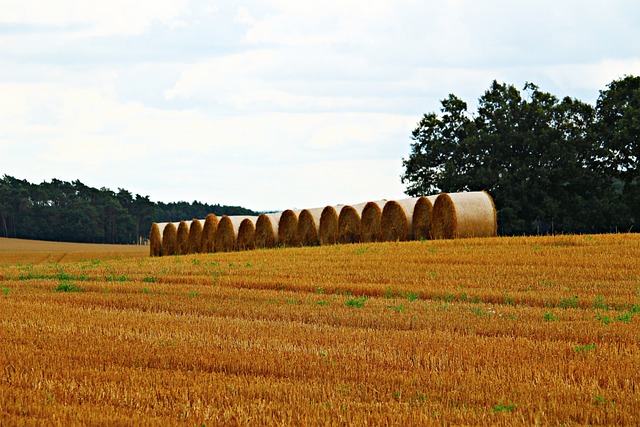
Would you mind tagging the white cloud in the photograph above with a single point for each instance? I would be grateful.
(274, 104)
(93, 18)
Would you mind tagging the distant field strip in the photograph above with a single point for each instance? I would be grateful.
(492, 331)
(14, 251)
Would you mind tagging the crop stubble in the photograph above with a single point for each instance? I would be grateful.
(477, 331)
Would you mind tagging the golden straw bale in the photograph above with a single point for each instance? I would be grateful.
(195, 237)
(409, 206)
(209, 233)
(349, 227)
(460, 215)
(169, 240)
(225, 239)
(421, 223)
(394, 224)
(308, 220)
(183, 238)
(328, 229)
(246, 235)
(155, 241)
(370, 221)
(288, 228)
(265, 237)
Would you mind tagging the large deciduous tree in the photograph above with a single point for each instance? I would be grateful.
(535, 154)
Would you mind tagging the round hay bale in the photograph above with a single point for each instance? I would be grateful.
(170, 240)
(209, 233)
(225, 239)
(394, 224)
(183, 238)
(460, 215)
(246, 235)
(421, 221)
(288, 228)
(155, 241)
(370, 219)
(308, 221)
(195, 237)
(265, 237)
(349, 227)
(328, 229)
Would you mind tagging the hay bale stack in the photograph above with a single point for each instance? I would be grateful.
(169, 240)
(288, 228)
(328, 229)
(265, 236)
(209, 233)
(394, 223)
(349, 226)
(195, 237)
(245, 240)
(155, 241)
(225, 238)
(183, 238)
(460, 215)
(421, 221)
(308, 221)
(370, 219)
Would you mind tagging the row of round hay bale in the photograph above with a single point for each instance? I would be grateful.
(460, 215)
(446, 216)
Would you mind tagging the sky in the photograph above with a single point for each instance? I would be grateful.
(275, 104)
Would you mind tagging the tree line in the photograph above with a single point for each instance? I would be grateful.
(552, 165)
(75, 212)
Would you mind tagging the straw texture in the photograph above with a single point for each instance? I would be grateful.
(308, 220)
(209, 233)
(370, 219)
(288, 229)
(328, 229)
(195, 237)
(394, 223)
(225, 239)
(349, 226)
(246, 240)
(169, 240)
(155, 241)
(421, 223)
(460, 215)
(183, 238)
(265, 236)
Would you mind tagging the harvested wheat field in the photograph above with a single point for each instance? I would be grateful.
(481, 331)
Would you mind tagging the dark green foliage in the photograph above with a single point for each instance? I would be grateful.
(74, 212)
(551, 165)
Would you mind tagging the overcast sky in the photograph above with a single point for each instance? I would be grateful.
(274, 104)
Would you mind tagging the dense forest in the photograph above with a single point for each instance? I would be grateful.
(74, 212)
(552, 165)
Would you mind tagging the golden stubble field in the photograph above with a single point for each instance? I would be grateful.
(496, 331)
